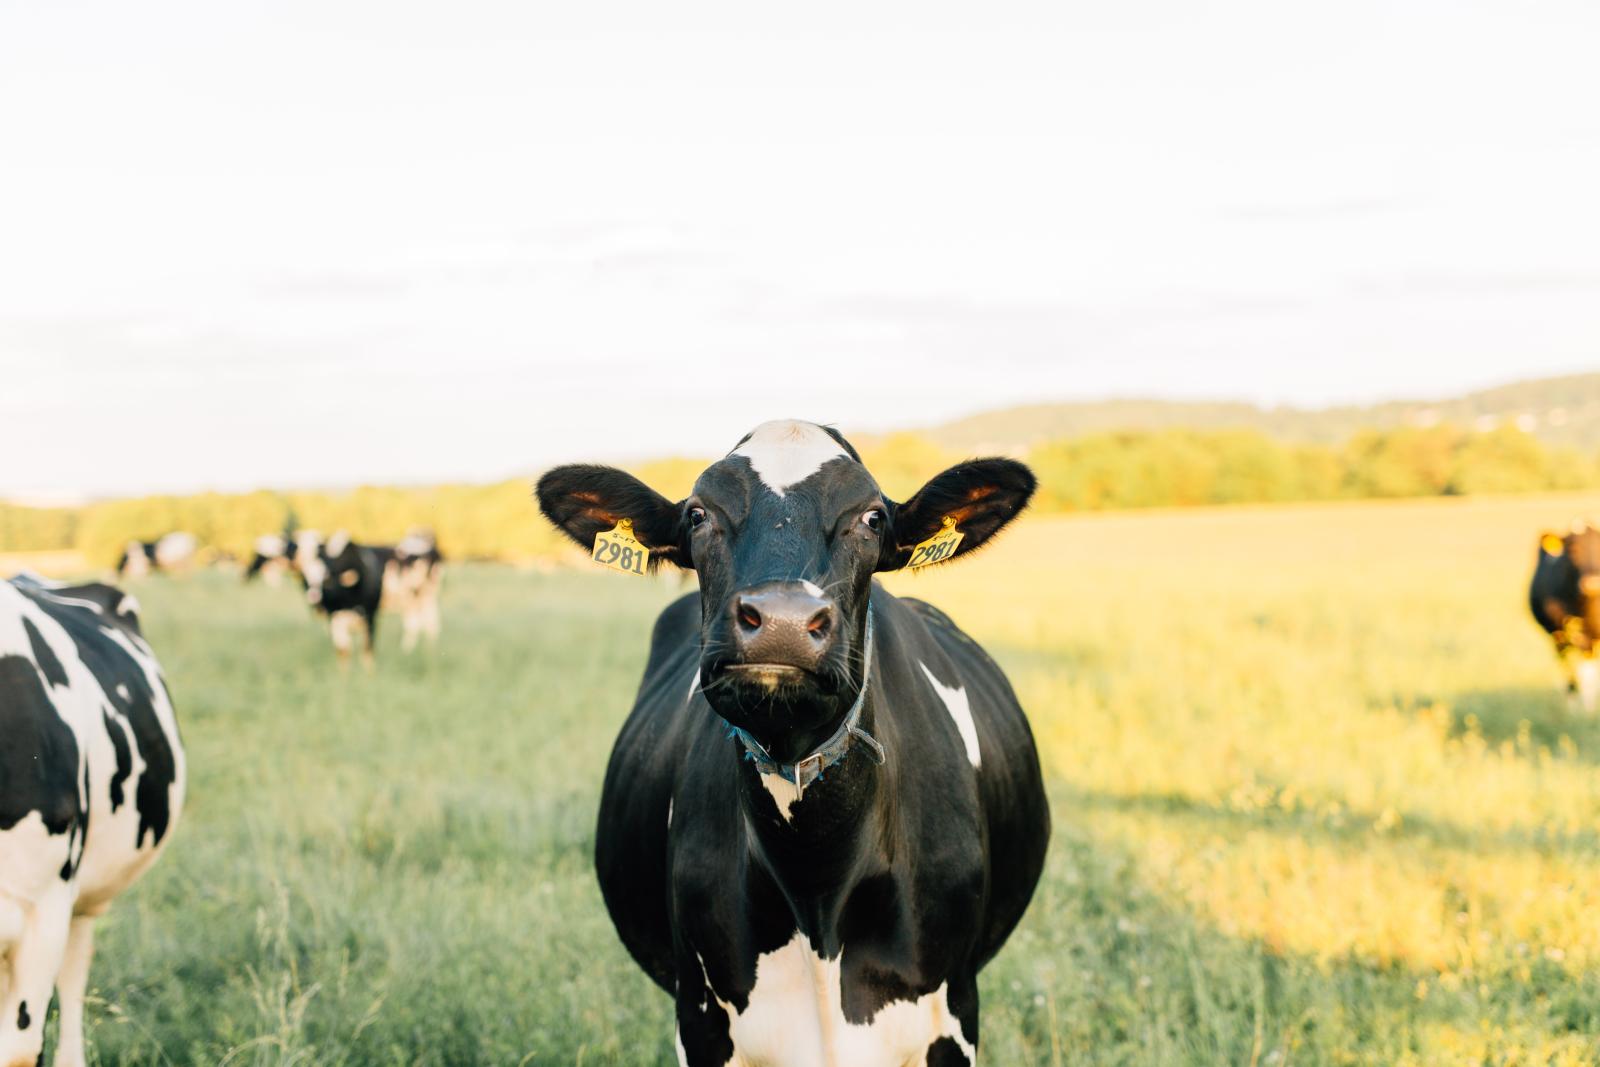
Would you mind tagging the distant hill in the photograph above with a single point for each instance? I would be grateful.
(1559, 411)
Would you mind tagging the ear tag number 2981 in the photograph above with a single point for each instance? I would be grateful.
(941, 546)
(617, 549)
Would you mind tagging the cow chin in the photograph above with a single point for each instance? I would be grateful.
(779, 705)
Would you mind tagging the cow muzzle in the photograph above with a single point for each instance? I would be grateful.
(780, 631)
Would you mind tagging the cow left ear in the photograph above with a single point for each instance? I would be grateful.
(583, 500)
(980, 496)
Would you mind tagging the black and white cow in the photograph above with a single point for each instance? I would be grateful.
(172, 552)
(91, 785)
(825, 812)
(1565, 598)
(411, 582)
(349, 582)
(273, 558)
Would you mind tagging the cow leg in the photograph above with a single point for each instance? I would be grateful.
(411, 626)
(35, 961)
(1588, 683)
(70, 988)
(369, 631)
(430, 616)
(340, 625)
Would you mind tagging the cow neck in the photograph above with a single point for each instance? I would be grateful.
(850, 733)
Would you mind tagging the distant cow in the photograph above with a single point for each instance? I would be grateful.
(274, 556)
(825, 812)
(173, 552)
(91, 784)
(411, 587)
(1565, 598)
(348, 582)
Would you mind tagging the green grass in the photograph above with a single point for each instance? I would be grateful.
(1317, 800)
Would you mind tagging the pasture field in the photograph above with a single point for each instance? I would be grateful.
(1317, 801)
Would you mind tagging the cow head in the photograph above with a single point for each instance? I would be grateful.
(334, 574)
(785, 533)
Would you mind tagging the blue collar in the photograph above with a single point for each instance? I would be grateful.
(809, 769)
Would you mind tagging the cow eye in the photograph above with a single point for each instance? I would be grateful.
(874, 519)
(697, 516)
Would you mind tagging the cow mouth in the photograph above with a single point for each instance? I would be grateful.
(770, 675)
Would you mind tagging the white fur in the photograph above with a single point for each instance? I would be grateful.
(812, 587)
(960, 708)
(46, 923)
(795, 1018)
(1588, 674)
(786, 452)
(784, 793)
(175, 549)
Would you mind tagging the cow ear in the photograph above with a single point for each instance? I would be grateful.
(980, 496)
(584, 500)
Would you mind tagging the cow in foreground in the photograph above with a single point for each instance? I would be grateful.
(1565, 598)
(91, 784)
(825, 812)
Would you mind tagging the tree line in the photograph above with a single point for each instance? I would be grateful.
(1101, 471)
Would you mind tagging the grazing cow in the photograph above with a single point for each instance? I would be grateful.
(349, 582)
(411, 586)
(274, 556)
(344, 581)
(173, 552)
(91, 784)
(825, 812)
(1565, 598)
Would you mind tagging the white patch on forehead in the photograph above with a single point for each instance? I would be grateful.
(795, 1015)
(786, 452)
(338, 542)
(955, 701)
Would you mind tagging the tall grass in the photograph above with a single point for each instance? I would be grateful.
(1317, 800)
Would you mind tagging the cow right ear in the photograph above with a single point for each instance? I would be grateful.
(583, 500)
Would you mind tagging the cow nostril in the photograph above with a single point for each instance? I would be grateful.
(749, 617)
(821, 623)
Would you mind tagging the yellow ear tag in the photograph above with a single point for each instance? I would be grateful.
(617, 549)
(1551, 544)
(941, 546)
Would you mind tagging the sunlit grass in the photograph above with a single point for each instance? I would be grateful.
(1317, 799)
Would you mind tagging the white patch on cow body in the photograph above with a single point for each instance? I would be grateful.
(128, 605)
(784, 793)
(786, 452)
(271, 545)
(175, 549)
(960, 709)
(795, 1018)
(414, 544)
(1588, 675)
(122, 691)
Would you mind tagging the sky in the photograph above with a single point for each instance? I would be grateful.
(315, 244)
